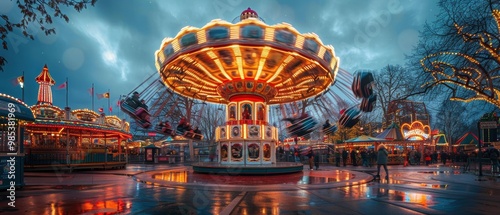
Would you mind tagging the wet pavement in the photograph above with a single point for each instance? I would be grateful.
(164, 189)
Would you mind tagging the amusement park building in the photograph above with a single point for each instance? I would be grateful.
(68, 137)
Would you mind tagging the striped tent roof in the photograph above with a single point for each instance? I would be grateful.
(468, 138)
(440, 140)
(393, 132)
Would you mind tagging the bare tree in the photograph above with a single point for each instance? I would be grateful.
(211, 116)
(448, 119)
(391, 83)
(37, 12)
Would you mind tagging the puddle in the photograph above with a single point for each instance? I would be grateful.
(454, 172)
(292, 178)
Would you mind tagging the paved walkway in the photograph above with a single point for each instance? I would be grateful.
(409, 190)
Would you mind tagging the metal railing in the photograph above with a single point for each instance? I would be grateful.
(472, 165)
(49, 158)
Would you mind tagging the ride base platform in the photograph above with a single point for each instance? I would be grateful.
(247, 169)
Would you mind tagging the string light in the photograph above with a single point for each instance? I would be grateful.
(473, 76)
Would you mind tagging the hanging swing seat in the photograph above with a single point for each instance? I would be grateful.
(350, 117)
(165, 130)
(362, 84)
(367, 104)
(301, 127)
(138, 113)
(193, 135)
(330, 130)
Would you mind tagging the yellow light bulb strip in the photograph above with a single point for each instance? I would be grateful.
(237, 54)
(262, 61)
(219, 64)
(281, 67)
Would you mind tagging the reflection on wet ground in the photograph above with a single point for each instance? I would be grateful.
(105, 207)
(314, 177)
(387, 193)
(406, 192)
(454, 172)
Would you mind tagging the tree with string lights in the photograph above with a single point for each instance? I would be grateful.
(469, 63)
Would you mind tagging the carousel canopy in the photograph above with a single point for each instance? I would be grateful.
(20, 110)
(393, 132)
(222, 60)
(364, 138)
(468, 138)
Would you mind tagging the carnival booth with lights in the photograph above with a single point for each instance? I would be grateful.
(75, 138)
(14, 116)
(467, 142)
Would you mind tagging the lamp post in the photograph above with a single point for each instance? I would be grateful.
(481, 125)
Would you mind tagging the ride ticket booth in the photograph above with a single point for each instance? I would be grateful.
(151, 153)
(14, 114)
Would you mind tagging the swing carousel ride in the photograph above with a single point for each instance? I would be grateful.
(253, 69)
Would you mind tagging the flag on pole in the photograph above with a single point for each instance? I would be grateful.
(118, 103)
(110, 109)
(62, 86)
(18, 81)
(101, 110)
(103, 95)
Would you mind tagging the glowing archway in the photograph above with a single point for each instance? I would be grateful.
(415, 131)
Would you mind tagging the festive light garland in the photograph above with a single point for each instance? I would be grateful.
(473, 77)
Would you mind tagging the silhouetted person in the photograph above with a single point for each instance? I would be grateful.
(353, 157)
(144, 105)
(337, 155)
(345, 154)
(310, 156)
(196, 130)
(135, 100)
(316, 160)
(327, 124)
(382, 157)
(444, 157)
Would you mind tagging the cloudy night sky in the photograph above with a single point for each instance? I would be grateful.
(112, 44)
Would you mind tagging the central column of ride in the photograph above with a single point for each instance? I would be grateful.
(247, 137)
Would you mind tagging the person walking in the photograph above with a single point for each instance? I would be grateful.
(444, 157)
(345, 154)
(494, 154)
(310, 155)
(316, 160)
(337, 155)
(364, 157)
(382, 156)
(353, 157)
